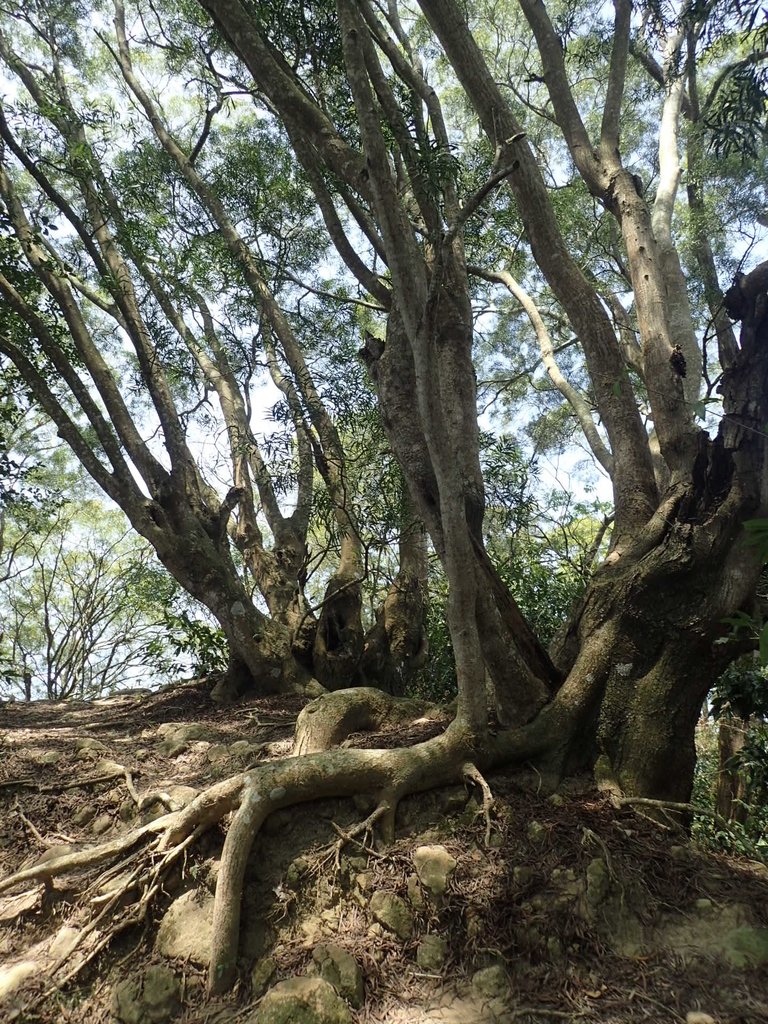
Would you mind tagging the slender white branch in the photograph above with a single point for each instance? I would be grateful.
(669, 155)
(572, 395)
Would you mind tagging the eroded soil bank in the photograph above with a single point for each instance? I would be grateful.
(571, 910)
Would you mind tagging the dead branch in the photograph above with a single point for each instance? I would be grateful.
(471, 773)
(60, 787)
(46, 870)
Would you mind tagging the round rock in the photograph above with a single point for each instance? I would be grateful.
(302, 1001)
(434, 866)
(185, 931)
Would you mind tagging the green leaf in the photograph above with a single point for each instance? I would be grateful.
(699, 407)
(741, 620)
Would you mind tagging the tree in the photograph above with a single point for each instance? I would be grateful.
(97, 287)
(628, 676)
(76, 622)
(351, 86)
(739, 704)
(79, 599)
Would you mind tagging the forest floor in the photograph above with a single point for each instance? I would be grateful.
(569, 910)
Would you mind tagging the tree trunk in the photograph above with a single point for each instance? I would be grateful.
(194, 547)
(520, 670)
(730, 799)
(396, 645)
(646, 661)
(338, 644)
(643, 647)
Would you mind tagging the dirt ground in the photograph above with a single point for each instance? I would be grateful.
(582, 912)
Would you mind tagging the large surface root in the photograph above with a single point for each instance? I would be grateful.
(146, 853)
(388, 774)
(122, 876)
(61, 916)
(330, 719)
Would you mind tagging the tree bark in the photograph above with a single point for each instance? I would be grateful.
(396, 645)
(642, 646)
(338, 642)
(730, 798)
(521, 672)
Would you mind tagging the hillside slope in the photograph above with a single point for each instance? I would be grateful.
(567, 909)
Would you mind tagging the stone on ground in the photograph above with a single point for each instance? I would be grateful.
(161, 994)
(491, 982)
(185, 930)
(261, 975)
(393, 913)
(340, 969)
(153, 998)
(431, 952)
(434, 866)
(302, 1001)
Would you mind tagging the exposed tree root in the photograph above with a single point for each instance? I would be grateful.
(147, 875)
(30, 825)
(139, 860)
(383, 812)
(390, 774)
(134, 865)
(51, 867)
(331, 718)
(671, 810)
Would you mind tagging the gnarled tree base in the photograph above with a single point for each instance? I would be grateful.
(143, 856)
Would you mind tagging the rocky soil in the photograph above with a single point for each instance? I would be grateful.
(567, 909)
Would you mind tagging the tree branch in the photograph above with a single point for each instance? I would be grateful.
(115, 485)
(634, 484)
(566, 111)
(338, 236)
(609, 129)
(403, 256)
(578, 403)
(727, 347)
(669, 159)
